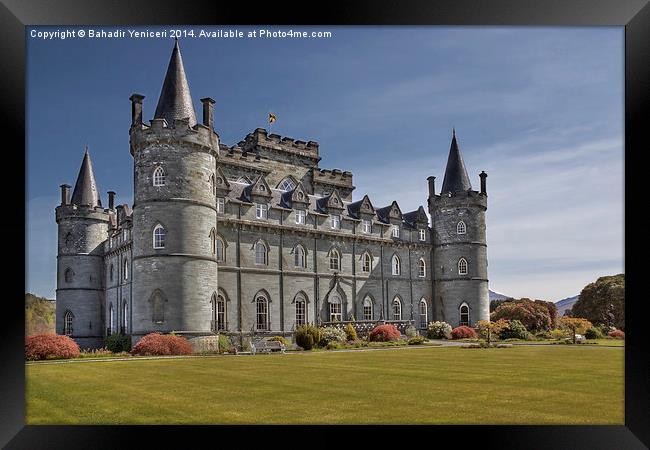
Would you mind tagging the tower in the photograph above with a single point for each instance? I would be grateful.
(174, 211)
(461, 294)
(82, 230)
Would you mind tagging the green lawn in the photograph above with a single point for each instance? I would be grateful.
(588, 342)
(521, 385)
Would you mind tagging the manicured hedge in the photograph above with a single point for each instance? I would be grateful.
(50, 346)
(463, 332)
(384, 333)
(162, 344)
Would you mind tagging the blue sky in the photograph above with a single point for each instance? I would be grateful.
(539, 109)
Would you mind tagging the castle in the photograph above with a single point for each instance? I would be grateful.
(257, 239)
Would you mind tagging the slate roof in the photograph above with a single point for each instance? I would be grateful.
(175, 101)
(456, 179)
(85, 189)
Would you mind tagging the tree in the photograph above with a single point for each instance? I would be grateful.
(603, 302)
(575, 324)
(534, 315)
(488, 328)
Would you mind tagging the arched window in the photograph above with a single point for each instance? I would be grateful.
(260, 253)
(220, 248)
(397, 309)
(67, 323)
(262, 313)
(462, 266)
(335, 308)
(68, 238)
(461, 228)
(157, 308)
(213, 185)
(299, 256)
(287, 184)
(111, 272)
(366, 263)
(422, 268)
(158, 236)
(335, 260)
(111, 319)
(423, 314)
(464, 314)
(125, 270)
(301, 310)
(218, 312)
(367, 309)
(68, 275)
(159, 176)
(125, 321)
(395, 264)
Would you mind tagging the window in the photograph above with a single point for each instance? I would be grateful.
(221, 204)
(301, 310)
(124, 317)
(260, 253)
(287, 185)
(110, 272)
(262, 310)
(158, 237)
(395, 231)
(423, 234)
(461, 228)
(67, 323)
(395, 264)
(218, 313)
(462, 266)
(159, 176)
(464, 314)
(335, 221)
(157, 308)
(299, 256)
(68, 275)
(301, 217)
(213, 186)
(367, 309)
(422, 268)
(366, 226)
(261, 211)
(423, 313)
(111, 319)
(366, 263)
(335, 260)
(335, 308)
(397, 309)
(125, 270)
(220, 249)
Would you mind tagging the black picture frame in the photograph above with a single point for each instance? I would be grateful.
(15, 15)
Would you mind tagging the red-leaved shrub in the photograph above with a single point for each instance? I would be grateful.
(162, 344)
(617, 334)
(50, 346)
(384, 333)
(463, 332)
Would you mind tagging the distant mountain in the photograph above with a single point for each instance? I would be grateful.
(565, 304)
(497, 296)
(39, 315)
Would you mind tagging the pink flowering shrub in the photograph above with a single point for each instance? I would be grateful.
(162, 344)
(50, 346)
(463, 332)
(617, 334)
(384, 333)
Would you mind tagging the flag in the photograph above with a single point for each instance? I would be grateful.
(272, 118)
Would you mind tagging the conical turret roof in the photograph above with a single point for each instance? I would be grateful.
(456, 179)
(85, 189)
(175, 101)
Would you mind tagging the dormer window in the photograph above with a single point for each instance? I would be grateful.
(287, 185)
(335, 222)
(366, 226)
(301, 217)
(395, 231)
(221, 204)
(261, 211)
(159, 176)
(423, 234)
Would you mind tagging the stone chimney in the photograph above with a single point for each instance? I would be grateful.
(432, 186)
(111, 200)
(208, 112)
(65, 194)
(483, 176)
(136, 109)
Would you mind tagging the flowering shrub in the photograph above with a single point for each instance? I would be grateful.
(558, 333)
(410, 332)
(332, 334)
(50, 346)
(162, 344)
(383, 333)
(514, 330)
(463, 332)
(351, 332)
(307, 336)
(280, 339)
(416, 340)
(439, 330)
(617, 334)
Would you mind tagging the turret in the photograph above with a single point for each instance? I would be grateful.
(460, 249)
(82, 229)
(174, 213)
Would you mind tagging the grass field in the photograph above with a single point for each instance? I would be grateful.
(520, 385)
